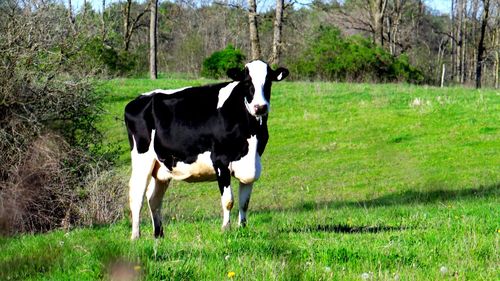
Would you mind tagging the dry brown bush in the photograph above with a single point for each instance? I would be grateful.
(104, 198)
(48, 108)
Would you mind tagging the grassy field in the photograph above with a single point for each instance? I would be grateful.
(360, 182)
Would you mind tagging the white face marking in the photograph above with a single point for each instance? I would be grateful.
(225, 92)
(279, 76)
(165, 92)
(248, 168)
(258, 73)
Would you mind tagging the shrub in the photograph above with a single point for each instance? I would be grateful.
(333, 57)
(219, 62)
(102, 56)
(48, 108)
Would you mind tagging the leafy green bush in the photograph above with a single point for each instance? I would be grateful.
(219, 62)
(101, 55)
(333, 57)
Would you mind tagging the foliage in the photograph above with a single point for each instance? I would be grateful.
(330, 56)
(117, 62)
(217, 64)
(384, 181)
(48, 110)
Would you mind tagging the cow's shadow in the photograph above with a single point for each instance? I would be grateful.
(408, 197)
(342, 228)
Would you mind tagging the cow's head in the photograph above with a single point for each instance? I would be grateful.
(257, 78)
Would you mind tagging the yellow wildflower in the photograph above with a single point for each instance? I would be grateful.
(231, 274)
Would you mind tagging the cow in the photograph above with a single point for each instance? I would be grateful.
(203, 133)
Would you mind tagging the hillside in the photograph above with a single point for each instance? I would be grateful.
(360, 181)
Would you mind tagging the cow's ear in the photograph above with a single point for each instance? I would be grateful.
(280, 74)
(236, 74)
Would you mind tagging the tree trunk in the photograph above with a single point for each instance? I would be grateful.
(463, 55)
(480, 47)
(126, 25)
(153, 70)
(497, 53)
(103, 22)
(278, 26)
(377, 12)
(443, 73)
(458, 28)
(453, 41)
(254, 31)
(71, 17)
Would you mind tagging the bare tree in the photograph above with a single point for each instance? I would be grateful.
(497, 52)
(71, 17)
(278, 26)
(103, 23)
(376, 9)
(393, 22)
(129, 24)
(253, 28)
(481, 47)
(153, 70)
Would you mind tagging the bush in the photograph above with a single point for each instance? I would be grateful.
(333, 57)
(219, 62)
(48, 108)
(101, 56)
(103, 198)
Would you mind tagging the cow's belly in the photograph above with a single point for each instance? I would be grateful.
(246, 170)
(200, 170)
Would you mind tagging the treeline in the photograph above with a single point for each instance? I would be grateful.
(375, 40)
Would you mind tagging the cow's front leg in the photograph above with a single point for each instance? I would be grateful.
(244, 199)
(227, 201)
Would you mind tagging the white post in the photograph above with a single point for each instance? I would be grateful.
(442, 75)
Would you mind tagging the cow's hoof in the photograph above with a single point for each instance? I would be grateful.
(226, 227)
(158, 232)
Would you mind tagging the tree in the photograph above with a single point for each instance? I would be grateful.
(129, 24)
(481, 47)
(376, 9)
(153, 70)
(254, 30)
(278, 26)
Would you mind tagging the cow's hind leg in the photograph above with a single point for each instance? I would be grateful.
(156, 190)
(244, 199)
(142, 165)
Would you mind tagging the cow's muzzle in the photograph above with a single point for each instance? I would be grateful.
(260, 109)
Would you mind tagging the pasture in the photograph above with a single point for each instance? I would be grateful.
(360, 182)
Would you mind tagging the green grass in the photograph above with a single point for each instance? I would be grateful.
(357, 179)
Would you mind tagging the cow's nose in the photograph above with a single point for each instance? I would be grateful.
(260, 109)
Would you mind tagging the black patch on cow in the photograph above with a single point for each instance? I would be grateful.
(188, 123)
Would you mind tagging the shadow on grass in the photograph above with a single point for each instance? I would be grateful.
(408, 197)
(342, 228)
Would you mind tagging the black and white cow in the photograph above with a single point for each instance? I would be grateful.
(200, 134)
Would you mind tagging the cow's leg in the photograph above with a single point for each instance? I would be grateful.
(156, 190)
(244, 199)
(142, 165)
(227, 201)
